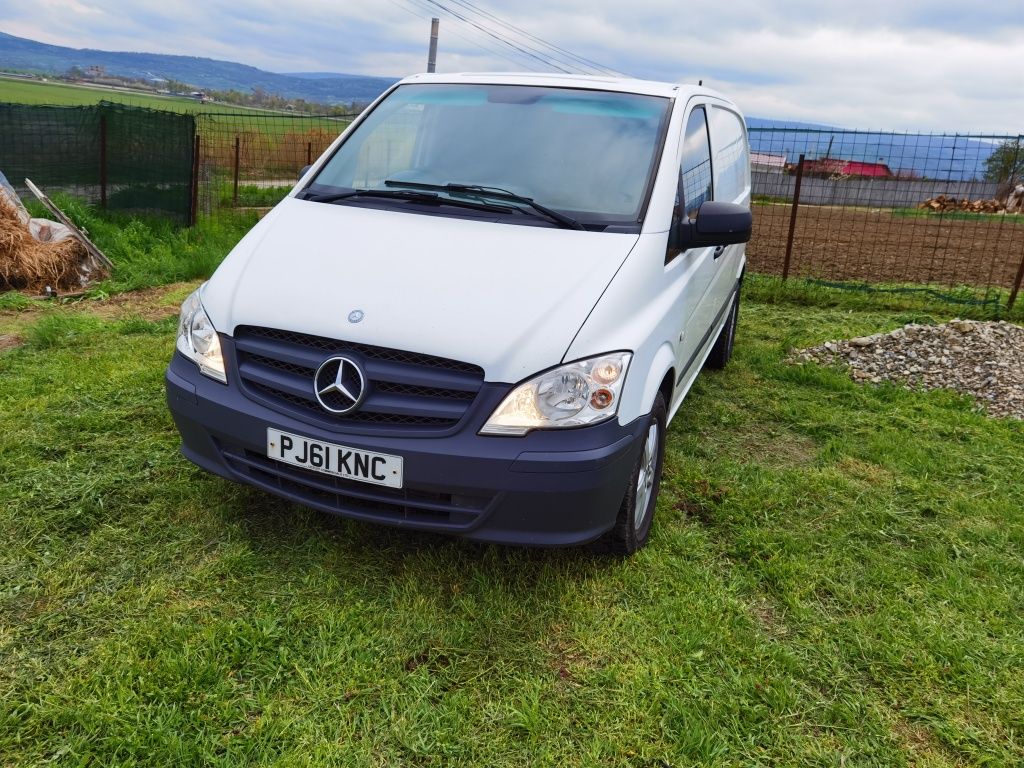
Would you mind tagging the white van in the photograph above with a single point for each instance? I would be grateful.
(478, 311)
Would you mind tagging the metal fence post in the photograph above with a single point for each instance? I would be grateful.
(238, 152)
(792, 218)
(103, 161)
(1014, 166)
(194, 208)
(309, 153)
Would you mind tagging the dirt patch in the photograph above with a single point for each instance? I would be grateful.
(866, 473)
(567, 660)
(10, 341)
(877, 245)
(775, 446)
(150, 303)
(921, 745)
(769, 618)
(768, 443)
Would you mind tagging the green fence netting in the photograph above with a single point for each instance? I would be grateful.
(123, 157)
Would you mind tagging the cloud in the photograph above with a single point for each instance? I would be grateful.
(940, 65)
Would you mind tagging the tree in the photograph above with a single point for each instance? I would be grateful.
(1006, 164)
(176, 86)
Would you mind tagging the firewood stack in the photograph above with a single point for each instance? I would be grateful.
(942, 204)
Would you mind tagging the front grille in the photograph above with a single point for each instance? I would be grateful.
(332, 494)
(332, 346)
(405, 390)
(356, 417)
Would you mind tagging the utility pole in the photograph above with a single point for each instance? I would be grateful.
(432, 56)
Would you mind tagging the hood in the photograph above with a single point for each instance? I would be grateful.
(506, 297)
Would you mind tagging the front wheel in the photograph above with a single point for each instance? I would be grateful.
(633, 525)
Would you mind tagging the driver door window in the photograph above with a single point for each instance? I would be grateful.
(695, 185)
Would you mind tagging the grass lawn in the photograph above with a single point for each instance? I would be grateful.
(250, 195)
(147, 250)
(835, 578)
(914, 300)
(34, 92)
(221, 120)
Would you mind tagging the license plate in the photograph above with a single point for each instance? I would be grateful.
(333, 459)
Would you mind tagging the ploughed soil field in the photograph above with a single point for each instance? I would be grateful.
(872, 245)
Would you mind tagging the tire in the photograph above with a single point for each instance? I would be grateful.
(721, 353)
(633, 525)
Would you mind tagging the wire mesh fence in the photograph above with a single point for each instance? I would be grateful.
(252, 160)
(930, 214)
(922, 216)
(939, 217)
(116, 156)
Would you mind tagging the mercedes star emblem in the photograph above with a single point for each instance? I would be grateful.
(339, 384)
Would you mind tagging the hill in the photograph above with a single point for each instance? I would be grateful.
(932, 156)
(18, 53)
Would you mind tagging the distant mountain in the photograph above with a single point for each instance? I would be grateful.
(315, 75)
(931, 156)
(205, 74)
(764, 122)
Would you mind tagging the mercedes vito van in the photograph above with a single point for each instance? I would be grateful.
(479, 310)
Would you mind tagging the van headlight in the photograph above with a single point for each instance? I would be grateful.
(198, 339)
(572, 395)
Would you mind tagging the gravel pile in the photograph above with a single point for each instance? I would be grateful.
(983, 359)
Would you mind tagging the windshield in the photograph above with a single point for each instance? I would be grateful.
(588, 154)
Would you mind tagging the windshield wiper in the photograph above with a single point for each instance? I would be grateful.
(496, 193)
(413, 195)
(333, 197)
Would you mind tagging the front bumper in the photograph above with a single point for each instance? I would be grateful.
(549, 488)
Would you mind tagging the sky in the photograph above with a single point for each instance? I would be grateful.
(938, 65)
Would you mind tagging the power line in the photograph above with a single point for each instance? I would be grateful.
(417, 9)
(558, 60)
(567, 54)
(553, 60)
(485, 44)
(500, 38)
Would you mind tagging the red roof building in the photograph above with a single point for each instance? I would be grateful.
(833, 166)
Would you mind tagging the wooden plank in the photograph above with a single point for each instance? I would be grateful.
(95, 252)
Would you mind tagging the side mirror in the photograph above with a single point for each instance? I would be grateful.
(717, 223)
(305, 168)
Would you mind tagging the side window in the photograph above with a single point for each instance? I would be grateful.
(694, 172)
(732, 158)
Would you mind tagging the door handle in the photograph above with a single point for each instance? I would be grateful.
(719, 251)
